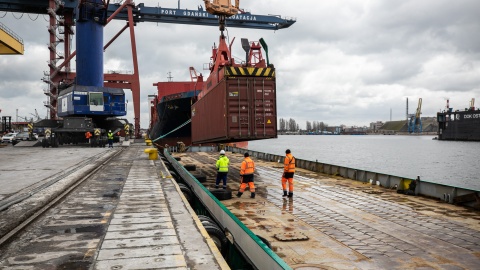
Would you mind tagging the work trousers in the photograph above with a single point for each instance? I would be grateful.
(287, 177)
(221, 176)
(247, 180)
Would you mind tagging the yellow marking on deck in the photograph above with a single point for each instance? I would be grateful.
(89, 253)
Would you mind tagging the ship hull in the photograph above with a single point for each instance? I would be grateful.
(459, 125)
(172, 125)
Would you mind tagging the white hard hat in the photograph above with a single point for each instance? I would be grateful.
(222, 152)
(109, 131)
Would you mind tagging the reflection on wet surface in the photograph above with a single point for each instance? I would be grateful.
(288, 205)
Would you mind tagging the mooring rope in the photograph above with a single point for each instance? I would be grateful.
(177, 128)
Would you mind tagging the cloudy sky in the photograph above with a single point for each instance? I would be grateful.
(342, 62)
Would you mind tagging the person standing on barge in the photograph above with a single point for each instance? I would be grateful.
(222, 169)
(288, 172)
(246, 173)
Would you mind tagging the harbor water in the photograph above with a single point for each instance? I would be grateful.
(452, 163)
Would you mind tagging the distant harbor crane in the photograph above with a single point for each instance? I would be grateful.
(415, 121)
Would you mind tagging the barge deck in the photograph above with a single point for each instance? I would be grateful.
(337, 223)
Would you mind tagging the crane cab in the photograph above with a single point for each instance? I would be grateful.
(79, 100)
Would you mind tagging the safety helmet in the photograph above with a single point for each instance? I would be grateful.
(222, 152)
(109, 131)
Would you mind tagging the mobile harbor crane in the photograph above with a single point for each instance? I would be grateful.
(89, 100)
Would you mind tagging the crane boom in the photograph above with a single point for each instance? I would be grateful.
(142, 13)
(419, 108)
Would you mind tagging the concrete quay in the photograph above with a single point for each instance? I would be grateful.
(129, 215)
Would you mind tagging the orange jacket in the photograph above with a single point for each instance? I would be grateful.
(289, 163)
(248, 167)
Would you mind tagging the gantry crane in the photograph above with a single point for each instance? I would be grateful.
(415, 123)
(62, 20)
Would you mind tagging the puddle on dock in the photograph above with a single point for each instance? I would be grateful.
(97, 229)
(112, 194)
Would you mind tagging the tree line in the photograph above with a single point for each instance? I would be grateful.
(291, 125)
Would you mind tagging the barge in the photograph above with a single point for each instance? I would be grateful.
(339, 218)
(459, 125)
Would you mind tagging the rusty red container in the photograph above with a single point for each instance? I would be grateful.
(237, 109)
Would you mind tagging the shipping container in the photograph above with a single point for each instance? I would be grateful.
(238, 108)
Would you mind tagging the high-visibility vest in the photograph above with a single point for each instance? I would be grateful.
(248, 166)
(222, 163)
(110, 135)
(289, 163)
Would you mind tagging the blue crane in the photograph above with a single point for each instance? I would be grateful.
(415, 121)
(66, 14)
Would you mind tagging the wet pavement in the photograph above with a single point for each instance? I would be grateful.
(128, 215)
(22, 167)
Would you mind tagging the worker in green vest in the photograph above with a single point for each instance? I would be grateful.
(222, 169)
(110, 139)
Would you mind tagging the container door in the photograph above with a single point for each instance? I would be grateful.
(265, 109)
(251, 104)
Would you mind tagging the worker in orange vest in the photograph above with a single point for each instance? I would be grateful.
(88, 135)
(246, 173)
(288, 172)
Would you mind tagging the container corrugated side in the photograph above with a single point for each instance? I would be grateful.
(237, 109)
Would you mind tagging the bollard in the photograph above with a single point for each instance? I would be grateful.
(152, 153)
(148, 142)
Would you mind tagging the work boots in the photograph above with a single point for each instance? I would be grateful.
(239, 194)
(290, 194)
(284, 194)
(252, 195)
